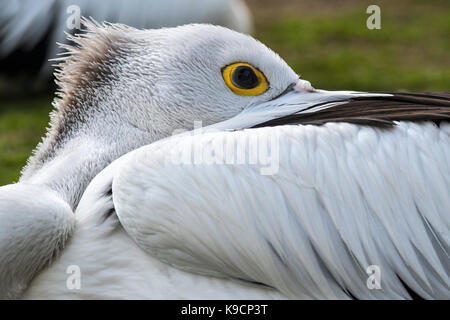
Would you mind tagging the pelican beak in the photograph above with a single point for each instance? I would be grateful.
(299, 97)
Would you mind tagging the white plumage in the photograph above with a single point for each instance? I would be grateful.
(305, 218)
(345, 197)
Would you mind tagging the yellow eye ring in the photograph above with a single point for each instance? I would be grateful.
(244, 79)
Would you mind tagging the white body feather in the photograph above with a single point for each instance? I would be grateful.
(344, 197)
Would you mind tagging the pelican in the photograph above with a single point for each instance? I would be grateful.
(29, 30)
(283, 192)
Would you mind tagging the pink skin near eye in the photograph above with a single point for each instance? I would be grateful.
(303, 86)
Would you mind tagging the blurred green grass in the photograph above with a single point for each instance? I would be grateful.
(22, 124)
(332, 48)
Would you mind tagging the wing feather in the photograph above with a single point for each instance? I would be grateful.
(344, 197)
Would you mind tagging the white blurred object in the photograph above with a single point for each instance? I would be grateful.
(25, 24)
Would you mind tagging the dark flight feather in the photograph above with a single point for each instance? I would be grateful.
(376, 111)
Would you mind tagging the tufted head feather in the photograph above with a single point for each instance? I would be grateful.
(89, 61)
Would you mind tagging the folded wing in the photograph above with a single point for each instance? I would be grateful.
(337, 202)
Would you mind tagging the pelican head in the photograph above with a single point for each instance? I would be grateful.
(121, 88)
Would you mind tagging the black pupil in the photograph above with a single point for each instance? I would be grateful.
(245, 78)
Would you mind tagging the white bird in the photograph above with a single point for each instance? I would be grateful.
(332, 185)
(29, 30)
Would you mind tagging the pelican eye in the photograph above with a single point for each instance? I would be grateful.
(244, 79)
